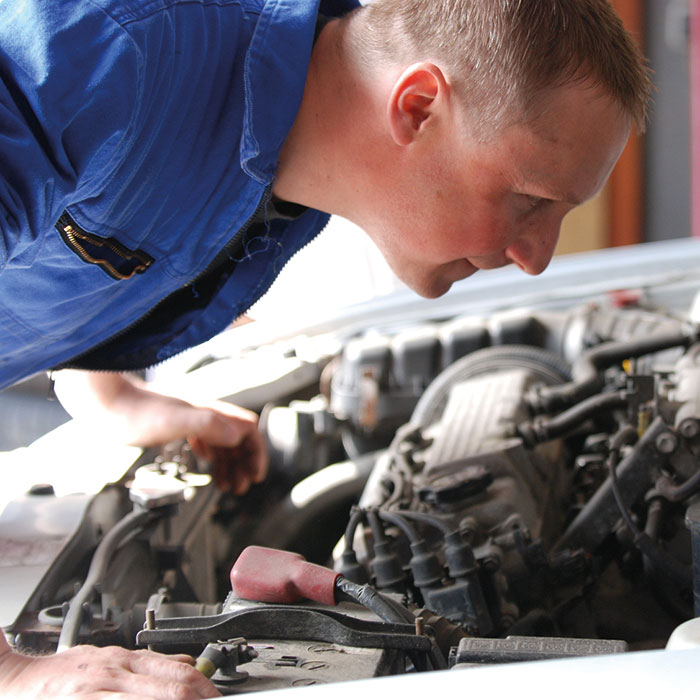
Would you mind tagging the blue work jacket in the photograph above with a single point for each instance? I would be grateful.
(137, 138)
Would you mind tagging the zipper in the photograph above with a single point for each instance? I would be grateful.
(224, 253)
(286, 262)
(118, 261)
(75, 362)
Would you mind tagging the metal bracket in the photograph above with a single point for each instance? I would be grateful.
(286, 622)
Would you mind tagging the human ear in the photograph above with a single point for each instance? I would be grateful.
(413, 100)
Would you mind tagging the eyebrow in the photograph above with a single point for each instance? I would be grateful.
(571, 198)
(558, 196)
(537, 187)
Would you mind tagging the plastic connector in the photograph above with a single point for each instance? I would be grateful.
(459, 556)
(386, 567)
(351, 569)
(463, 600)
(273, 576)
(425, 566)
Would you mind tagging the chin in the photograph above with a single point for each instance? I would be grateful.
(438, 286)
(436, 291)
(431, 289)
(439, 280)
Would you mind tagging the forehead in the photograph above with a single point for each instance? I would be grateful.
(569, 150)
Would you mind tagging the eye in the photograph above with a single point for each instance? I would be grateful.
(535, 202)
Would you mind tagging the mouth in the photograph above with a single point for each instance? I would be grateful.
(469, 268)
(490, 264)
(441, 280)
(460, 270)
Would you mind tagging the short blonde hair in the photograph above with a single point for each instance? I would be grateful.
(505, 54)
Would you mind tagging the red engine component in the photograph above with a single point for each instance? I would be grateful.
(273, 576)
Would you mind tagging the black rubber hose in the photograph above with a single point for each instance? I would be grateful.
(677, 493)
(587, 370)
(549, 368)
(135, 520)
(543, 429)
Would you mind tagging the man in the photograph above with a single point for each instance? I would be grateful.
(160, 164)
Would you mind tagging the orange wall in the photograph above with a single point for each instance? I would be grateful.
(615, 216)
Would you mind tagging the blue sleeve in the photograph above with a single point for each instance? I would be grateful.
(69, 86)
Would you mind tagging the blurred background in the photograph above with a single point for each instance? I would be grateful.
(648, 197)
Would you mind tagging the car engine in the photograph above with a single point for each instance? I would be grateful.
(463, 492)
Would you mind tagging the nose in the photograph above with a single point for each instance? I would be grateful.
(533, 251)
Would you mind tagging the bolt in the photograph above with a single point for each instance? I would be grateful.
(689, 428)
(150, 623)
(491, 562)
(666, 443)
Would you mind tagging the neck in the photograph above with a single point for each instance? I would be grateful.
(319, 160)
(303, 160)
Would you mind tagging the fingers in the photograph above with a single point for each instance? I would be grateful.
(256, 454)
(182, 658)
(107, 673)
(230, 440)
(223, 427)
(237, 468)
(163, 676)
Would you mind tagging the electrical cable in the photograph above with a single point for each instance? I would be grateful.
(389, 611)
(370, 598)
(641, 540)
(428, 519)
(400, 522)
(357, 515)
(376, 527)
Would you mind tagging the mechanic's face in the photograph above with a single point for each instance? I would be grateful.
(479, 205)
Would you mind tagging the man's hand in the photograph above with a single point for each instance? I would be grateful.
(229, 438)
(122, 407)
(101, 673)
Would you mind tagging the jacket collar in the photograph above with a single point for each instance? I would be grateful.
(275, 71)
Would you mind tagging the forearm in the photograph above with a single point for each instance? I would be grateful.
(124, 407)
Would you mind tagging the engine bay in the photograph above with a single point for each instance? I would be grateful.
(457, 493)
